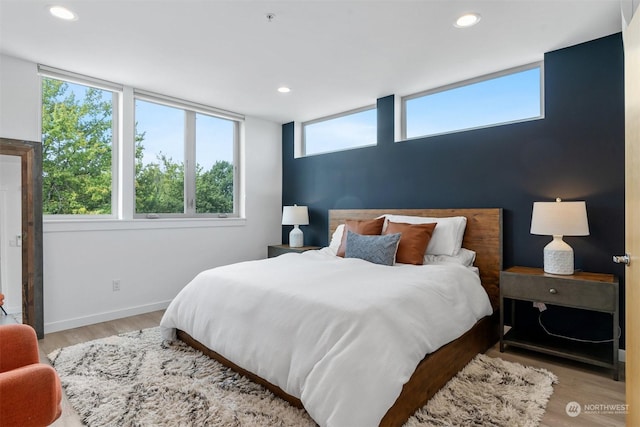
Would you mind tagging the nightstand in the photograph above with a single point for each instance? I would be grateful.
(586, 291)
(275, 250)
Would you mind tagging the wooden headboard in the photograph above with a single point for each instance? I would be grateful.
(482, 235)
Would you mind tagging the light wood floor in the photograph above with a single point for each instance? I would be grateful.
(579, 383)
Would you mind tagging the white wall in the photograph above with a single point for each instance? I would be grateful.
(10, 228)
(19, 92)
(153, 259)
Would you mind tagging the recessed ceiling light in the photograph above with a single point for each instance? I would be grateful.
(63, 13)
(467, 20)
(284, 89)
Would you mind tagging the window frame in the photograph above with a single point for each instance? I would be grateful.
(191, 109)
(123, 165)
(468, 82)
(116, 90)
(303, 125)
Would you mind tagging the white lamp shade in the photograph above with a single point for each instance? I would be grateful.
(295, 215)
(559, 219)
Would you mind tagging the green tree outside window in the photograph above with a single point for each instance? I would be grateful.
(77, 123)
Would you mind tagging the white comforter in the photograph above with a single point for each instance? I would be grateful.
(342, 335)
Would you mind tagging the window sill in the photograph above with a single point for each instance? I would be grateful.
(66, 225)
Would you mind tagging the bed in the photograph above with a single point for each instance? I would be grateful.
(483, 235)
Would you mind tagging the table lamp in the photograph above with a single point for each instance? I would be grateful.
(559, 219)
(295, 215)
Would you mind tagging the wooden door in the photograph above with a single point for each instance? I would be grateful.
(632, 213)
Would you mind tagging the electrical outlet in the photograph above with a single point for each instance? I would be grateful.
(116, 285)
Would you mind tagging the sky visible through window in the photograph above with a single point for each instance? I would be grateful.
(164, 127)
(214, 140)
(502, 99)
(164, 132)
(341, 133)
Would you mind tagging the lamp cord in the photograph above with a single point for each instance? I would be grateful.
(577, 339)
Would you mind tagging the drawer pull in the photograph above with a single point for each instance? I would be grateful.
(553, 291)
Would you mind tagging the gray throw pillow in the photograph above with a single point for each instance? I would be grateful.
(376, 249)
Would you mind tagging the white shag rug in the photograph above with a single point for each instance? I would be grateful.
(135, 379)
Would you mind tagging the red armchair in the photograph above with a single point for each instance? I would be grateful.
(30, 391)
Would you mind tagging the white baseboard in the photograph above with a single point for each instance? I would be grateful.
(77, 322)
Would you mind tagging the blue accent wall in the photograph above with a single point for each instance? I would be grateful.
(575, 152)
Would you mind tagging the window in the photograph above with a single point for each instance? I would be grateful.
(353, 129)
(175, 159)
(77, 148)
(184, 160)
(159, 158)
(507, 97)
(215, 152)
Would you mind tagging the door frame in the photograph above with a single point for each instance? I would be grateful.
(632, 224)
(30, 154)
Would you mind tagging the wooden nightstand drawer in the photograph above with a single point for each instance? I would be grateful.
(567, 292)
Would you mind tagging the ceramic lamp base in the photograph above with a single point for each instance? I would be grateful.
(296, 238)
(558, 257)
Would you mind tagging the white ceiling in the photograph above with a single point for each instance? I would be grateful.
(335, 55)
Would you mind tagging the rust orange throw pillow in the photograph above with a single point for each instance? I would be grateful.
(366, 227)
(413, 241)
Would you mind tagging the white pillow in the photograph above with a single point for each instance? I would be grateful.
(336, 238)
(464, 257)
(447, 236)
